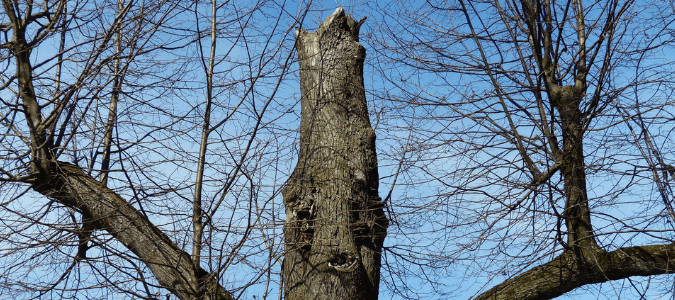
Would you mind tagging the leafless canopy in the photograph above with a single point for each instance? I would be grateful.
(141, 146)
(541, 130)
(524, 147)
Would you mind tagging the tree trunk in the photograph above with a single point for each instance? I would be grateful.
(335, 223)
(567, 99)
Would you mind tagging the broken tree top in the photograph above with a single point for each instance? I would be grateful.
(337, 18)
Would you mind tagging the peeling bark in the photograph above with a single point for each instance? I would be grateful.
(335, 223)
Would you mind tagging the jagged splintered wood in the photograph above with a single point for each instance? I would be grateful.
(335, 220)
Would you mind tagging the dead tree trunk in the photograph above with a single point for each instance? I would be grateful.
(335, 223)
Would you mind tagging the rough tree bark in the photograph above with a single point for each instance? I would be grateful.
(335, 223)
(171, 266)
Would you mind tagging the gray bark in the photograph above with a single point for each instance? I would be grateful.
(171, 266)
(574, 269)
(335, 223)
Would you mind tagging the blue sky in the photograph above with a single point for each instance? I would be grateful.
(415, 115)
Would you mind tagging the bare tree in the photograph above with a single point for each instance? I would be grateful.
(100, 104)
(144, 148)
(542, 127)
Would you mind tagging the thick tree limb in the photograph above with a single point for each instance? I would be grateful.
(171, 266)
(574, 269)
